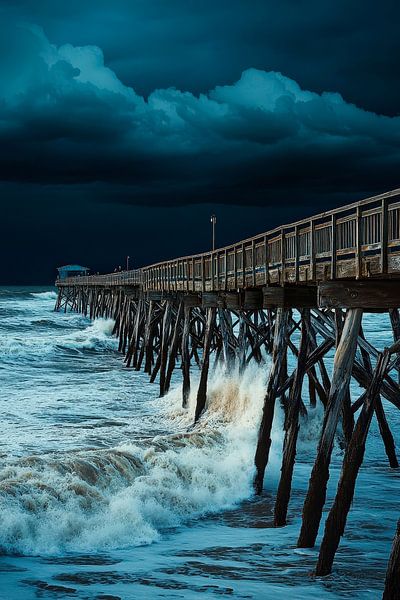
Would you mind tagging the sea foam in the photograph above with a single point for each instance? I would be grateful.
(127, 495)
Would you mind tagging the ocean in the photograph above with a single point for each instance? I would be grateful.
(109, 492)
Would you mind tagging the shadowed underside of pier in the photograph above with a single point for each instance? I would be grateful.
(301, 289)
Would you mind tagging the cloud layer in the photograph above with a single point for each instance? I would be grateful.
(66, 118)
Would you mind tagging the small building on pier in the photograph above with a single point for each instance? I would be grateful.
(71, 271)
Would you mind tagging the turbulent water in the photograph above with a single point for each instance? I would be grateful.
(108, 492)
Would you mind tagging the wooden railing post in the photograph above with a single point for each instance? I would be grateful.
(243, 266)
(312, 250)
(226, 269)
(253, 261)
(266, 260)
(384, 236)
(333, 247)
(235, 266)
(358, 243)
(212, 271)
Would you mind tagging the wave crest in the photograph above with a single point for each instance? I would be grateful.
(96, 336)
(91, 500)
(49, 295)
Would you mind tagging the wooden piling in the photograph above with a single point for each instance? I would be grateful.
(316, 494)
(290, 441)
(173, 349)
(264, 434)
(392, 581)
(202, 390)
(185, 357)
(166, 323)
(336, 521)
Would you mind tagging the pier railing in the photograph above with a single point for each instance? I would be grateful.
(132, 277)
(360, 240)
(357, 241)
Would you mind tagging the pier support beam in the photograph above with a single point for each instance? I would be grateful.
(292, 429)
(264, 435)
(336, 521)
(392, 581)
(185, 356)
(173, 348)
(342, 369)
(202, 391)
(165, 334)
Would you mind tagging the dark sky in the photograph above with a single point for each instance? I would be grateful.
(125, 124)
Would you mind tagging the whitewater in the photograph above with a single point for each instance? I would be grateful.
(107, 491)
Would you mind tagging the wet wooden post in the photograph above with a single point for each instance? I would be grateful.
(147, 343)
(185, 356)
(347, 414)
(386, 434)
(202, 390)
(174, 347)
(392, 581)
(384, 429)
(336, 521)
(290, 441)
(117, 312)
(313, 382)
(343, 364)
(165, 332)
(241, 347)
(225, 323)
(264, 434)
(132, 354)
(123, 332)
(395, 322)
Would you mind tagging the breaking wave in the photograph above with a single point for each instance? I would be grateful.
(48, 295)
(95, 336)
(127, 495)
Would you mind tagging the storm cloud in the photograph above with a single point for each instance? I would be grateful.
(66, 118)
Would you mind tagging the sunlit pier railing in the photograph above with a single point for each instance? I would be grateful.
(360, 240)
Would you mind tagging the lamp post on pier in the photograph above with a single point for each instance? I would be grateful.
(127, 263)
(213, 222)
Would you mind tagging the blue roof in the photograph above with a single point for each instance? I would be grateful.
(72, 268)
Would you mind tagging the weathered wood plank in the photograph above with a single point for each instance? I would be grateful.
(371, 295)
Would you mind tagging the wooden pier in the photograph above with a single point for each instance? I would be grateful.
(301, 288)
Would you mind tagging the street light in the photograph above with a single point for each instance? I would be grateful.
(127, 263)
(213, 222)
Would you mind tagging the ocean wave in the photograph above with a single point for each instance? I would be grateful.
(96, 336)
(48, 295)
(127, 495)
